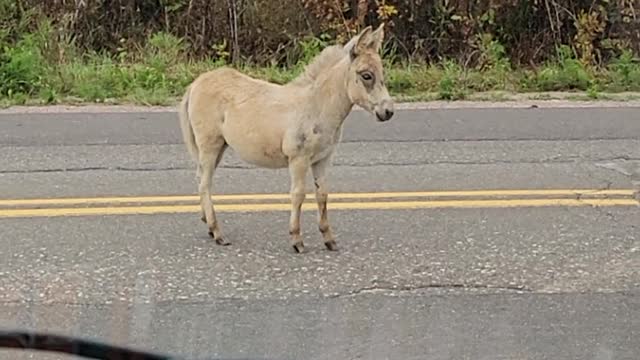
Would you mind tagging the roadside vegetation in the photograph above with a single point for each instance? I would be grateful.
(146, 52)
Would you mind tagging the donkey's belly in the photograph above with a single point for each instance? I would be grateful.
(265, 158)
(254, 141)
(258, 154)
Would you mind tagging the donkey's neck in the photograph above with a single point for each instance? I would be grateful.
(330, 95)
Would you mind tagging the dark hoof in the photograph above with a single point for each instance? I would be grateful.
(204, 219)
(299, 248)
(331, 245)
(222, 242)
(219, 241)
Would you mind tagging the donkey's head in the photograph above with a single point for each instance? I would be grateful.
(365, 83)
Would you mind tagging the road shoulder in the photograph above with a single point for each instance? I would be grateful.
(427, 105)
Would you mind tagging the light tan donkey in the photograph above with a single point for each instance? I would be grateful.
(296, 125)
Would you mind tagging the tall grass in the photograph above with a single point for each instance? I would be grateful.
(44, 68)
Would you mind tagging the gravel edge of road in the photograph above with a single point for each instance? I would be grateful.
(432, 105)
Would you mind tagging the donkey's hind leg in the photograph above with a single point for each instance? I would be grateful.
(210, 156)
(199, 176)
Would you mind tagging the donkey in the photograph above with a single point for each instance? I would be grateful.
(296, 125)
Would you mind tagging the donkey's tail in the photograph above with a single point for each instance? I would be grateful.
(185, 125)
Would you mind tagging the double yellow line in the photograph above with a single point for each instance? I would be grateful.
(132, 205)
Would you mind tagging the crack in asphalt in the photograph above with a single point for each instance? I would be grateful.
(349, 141)
(361, 291)
(569, 160)
(490, 139)
(410, 288)
(607, 186)
(355, 292)
(114, 168)
(554, 160)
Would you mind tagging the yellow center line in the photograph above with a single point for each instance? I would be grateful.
(340, 196)
(379, 205)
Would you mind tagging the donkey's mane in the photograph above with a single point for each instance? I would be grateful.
(328, 57)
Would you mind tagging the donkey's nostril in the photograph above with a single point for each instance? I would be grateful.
(388, 114)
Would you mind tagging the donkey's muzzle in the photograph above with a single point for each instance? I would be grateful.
(386, 115)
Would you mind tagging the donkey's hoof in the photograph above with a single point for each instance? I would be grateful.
(222, 242)
(204, 219)
(298, 247)
(331, 245)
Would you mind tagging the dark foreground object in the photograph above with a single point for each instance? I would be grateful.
(73, 346)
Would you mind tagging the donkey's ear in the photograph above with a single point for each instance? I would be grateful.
(351, 45)
(378, 37)
(363, 39)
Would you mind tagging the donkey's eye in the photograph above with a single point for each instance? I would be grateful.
(367, 76)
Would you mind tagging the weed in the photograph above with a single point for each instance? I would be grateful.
(449, 87)
(22, 69)
(564, 73)
(593, 91)
(493, 64)
(400, 80)
(162, 51)
(624, 73)
(49, 95)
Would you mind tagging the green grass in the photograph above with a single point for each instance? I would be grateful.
(34, 72)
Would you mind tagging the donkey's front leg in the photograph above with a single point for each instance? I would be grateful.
(298, 170)
(319, 170)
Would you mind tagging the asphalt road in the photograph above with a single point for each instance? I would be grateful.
(420, 274)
